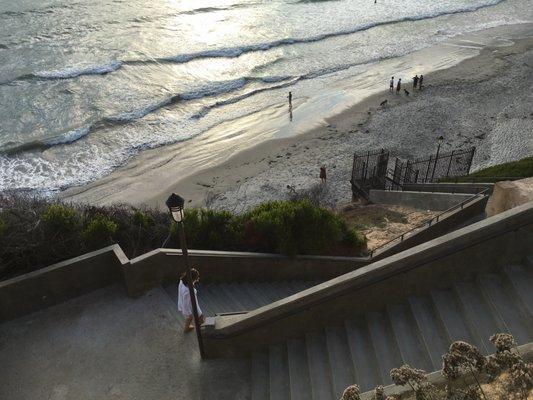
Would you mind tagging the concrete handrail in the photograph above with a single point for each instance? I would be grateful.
(438, 260)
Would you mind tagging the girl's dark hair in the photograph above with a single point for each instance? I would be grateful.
(195, 275)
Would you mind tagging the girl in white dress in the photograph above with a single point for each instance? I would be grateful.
(184, 300)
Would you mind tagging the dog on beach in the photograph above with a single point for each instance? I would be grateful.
(383, 103)
(406, 92)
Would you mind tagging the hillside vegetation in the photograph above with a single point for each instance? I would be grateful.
(516, 169)
(35, 233)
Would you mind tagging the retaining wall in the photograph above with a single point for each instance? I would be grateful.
(419, 200)
(471, 188)
(62, 281)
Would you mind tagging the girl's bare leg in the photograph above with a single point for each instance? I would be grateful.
(188, 327)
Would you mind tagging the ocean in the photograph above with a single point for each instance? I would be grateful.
(87, 85)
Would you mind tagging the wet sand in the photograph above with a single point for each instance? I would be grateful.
(484, 101)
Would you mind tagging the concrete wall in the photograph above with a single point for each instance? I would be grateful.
(56, 283)
(420, 200)
(471, 188)
(483, 246)
(447, 223)
(165, 265)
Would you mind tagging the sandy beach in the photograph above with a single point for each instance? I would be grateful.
(483, 101)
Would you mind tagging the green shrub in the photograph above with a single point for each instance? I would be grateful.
(292, 228)
(99, 231)
(515, 169)
(3, 227)
(60, 218)
(354, 239)
(143, 219)
(209, 229)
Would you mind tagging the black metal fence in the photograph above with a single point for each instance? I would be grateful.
(375, 170)
(439, 166)
(367, 171)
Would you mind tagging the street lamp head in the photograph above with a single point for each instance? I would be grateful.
(175, 204)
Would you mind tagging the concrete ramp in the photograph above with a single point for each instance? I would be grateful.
(104, 345)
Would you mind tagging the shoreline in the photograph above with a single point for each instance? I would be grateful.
(245, 171)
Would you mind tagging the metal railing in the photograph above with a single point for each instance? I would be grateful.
(432, 221)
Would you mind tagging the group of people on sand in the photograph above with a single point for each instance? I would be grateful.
(417, 84)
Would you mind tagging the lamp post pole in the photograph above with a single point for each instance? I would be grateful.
(175, 204)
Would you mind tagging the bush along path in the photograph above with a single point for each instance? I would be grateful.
(35, 233)
(468, 374)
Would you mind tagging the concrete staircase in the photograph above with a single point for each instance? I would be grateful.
(416, 330)
(219, 298)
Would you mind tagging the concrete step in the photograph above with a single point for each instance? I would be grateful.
(503, 305)
(260, 376)
(245, 299)
(478, 314)
(408, 337)
(339, 360)
(520, 279)
(279, 290)
(220, 299)
(257, 297)
(367, 374)
(265, 292)
(434, 337)
(384, 344)
(233, 297)
(450, 315)
(206, 300)
(300, 384)
(319, 368)
(279, 373)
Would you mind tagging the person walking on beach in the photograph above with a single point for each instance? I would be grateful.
(391, 87)
(323, 176)
(290, 99)
(184, 300)
(420, 82)
(415, 81)
(399, 86)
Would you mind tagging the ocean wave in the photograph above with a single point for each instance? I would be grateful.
(74, 72)
(214, 89)
(40, 144)
(67, 73)
(236, 51)
(233, 52)
(39, 11)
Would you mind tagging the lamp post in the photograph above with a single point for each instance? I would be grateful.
(439, 140)
(175, 204)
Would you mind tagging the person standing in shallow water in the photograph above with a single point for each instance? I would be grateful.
(415, 81)
(323, 176)
(290, 99)
(399, 86)
(420, 82)
(391, 86)
(184, 300)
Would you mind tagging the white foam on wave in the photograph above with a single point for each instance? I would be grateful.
(68, 137)
(233, 52)
(214, 88)
(73, 72)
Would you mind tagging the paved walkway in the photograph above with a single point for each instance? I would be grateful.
(105, 345)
